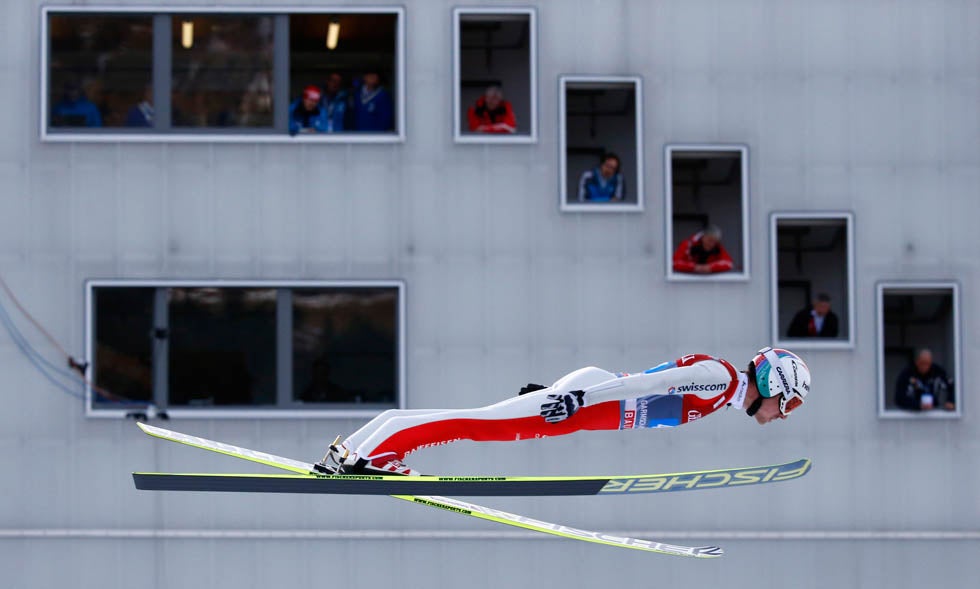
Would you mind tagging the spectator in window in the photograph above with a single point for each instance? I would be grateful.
(817, 320)
(255, 109)
(923, 385)
(141, 115)
(338, 104)
(75, 109)
(492, 114)
(703, 253)
(603, 183)
(373, 110)
(306, 114)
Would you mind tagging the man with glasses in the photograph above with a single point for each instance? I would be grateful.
(673, 393)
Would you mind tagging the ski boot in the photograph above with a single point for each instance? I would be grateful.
(378, 466)
(340, 460)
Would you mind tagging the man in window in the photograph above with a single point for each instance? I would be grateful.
(141, 114)
(306, 114)
(337, 103)
(817, 320)
(491, 113)
(703, 253)
(924, 386)
(75, 109)
(373, 110)
(603, 183)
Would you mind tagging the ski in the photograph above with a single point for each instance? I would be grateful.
(305, 481)
(474, 486)
(453, 505)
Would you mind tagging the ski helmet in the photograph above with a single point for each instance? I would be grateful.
(781, 372)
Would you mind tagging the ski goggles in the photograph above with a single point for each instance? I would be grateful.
(789, 402)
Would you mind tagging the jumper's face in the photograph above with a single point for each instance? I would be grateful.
(709, 242)
(769, 411)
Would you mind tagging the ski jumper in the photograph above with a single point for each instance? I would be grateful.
(673, 393)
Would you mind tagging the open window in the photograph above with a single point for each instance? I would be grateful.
(245, 349)
(707, 205)
(812, 257)
(601, 144)
(214, 74)
(919, 347)
(494, 75)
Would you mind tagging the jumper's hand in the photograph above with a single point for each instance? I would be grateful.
(561, 407)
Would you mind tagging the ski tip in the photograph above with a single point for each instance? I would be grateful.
(708, 552)
(149, 429)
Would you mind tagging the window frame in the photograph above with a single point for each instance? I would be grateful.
(458, 136)
(263, 412)
(745, 275)
(640, 174)
(239, 136)
(776, 333)
(883, 387)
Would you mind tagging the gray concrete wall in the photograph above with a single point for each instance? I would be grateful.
(869, 106)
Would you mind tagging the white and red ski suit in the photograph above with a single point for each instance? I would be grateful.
(673, 393)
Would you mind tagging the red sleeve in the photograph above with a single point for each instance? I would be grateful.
(682, 257)
(722, 262)
(509, 122)
(474, 120)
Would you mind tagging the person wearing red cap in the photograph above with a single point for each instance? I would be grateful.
(306, 114)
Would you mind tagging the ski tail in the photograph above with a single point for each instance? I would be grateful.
(453, 505)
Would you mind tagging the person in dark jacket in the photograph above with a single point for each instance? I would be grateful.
(141, 114)
(75, 109)
(817, 320)
(924, 385)
(338, 105)
(491, 113)
(373, 108)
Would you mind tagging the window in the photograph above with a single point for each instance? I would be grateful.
(919, 350)
(221, 73)
(495, 78)
(214, 74)
(227, 349)
(100, 70)
(358, 78)
(707, 193)
(812, 276)
(600, 138)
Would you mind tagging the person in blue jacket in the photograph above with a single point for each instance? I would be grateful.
(75, 109)
(373, 109)
(604, 183)
(306, 113)
(337, 102)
